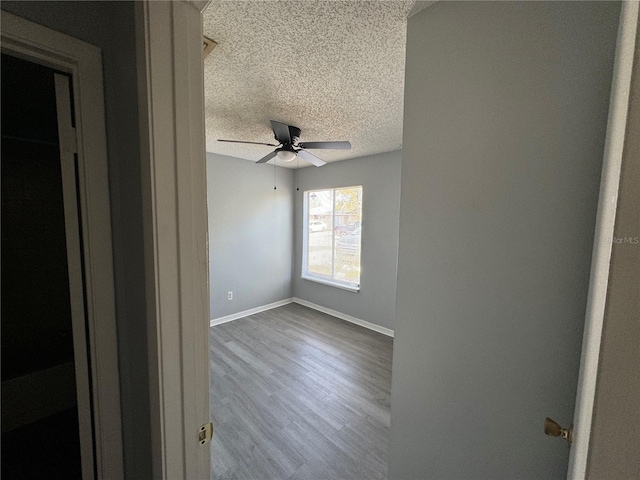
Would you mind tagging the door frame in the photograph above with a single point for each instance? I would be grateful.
(41, 45)
(174, 192)
(603, 239)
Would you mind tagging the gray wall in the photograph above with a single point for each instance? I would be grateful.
(505, 117)
(379, 176)
(110, 26)
(615, 434)
(250, 234)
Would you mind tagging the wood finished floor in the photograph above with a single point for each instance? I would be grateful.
(298, 394)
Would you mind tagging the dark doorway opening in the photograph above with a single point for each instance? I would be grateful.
(40, 436)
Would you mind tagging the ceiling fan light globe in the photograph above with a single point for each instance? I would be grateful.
(286, 155)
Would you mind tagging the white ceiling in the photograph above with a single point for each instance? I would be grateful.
(335, 69)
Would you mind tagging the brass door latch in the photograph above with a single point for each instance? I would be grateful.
(553, 429)
(205, 433)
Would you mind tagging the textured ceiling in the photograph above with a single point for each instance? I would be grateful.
(335, 69)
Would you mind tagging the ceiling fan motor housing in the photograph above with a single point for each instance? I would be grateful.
(294, 133)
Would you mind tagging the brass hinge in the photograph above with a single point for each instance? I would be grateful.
(205, 433)
(207, 46)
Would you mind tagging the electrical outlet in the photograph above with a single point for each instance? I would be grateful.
(229, 295)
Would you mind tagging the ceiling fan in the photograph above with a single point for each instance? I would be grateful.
(288, 147)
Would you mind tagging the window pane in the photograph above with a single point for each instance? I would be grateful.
(319, 234)
(348, 219)
(332, 238)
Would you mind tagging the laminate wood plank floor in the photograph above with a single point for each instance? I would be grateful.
(298, 394)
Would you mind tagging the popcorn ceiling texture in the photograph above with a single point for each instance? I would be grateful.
(335, 69)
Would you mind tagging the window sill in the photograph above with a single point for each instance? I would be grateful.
(343, 286)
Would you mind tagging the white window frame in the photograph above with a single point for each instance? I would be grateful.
(306, 275)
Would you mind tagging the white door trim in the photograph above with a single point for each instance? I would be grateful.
(605, 220)
(44, 46)
(171, 96)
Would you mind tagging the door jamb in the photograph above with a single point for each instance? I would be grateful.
(602, 245)
(172, 151)
(83, 61)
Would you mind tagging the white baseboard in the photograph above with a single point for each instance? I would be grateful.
(299, 301)
(344, 316)
(234, 316)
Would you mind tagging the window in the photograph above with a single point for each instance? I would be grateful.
(331, 237)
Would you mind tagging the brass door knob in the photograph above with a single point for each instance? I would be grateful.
(553, 429)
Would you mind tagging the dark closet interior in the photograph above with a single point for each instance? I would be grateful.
(37, 339)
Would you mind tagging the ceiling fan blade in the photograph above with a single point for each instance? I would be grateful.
(281, 132)
(266, 158)
(327, 145)
(242, 141)
(309, 157)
